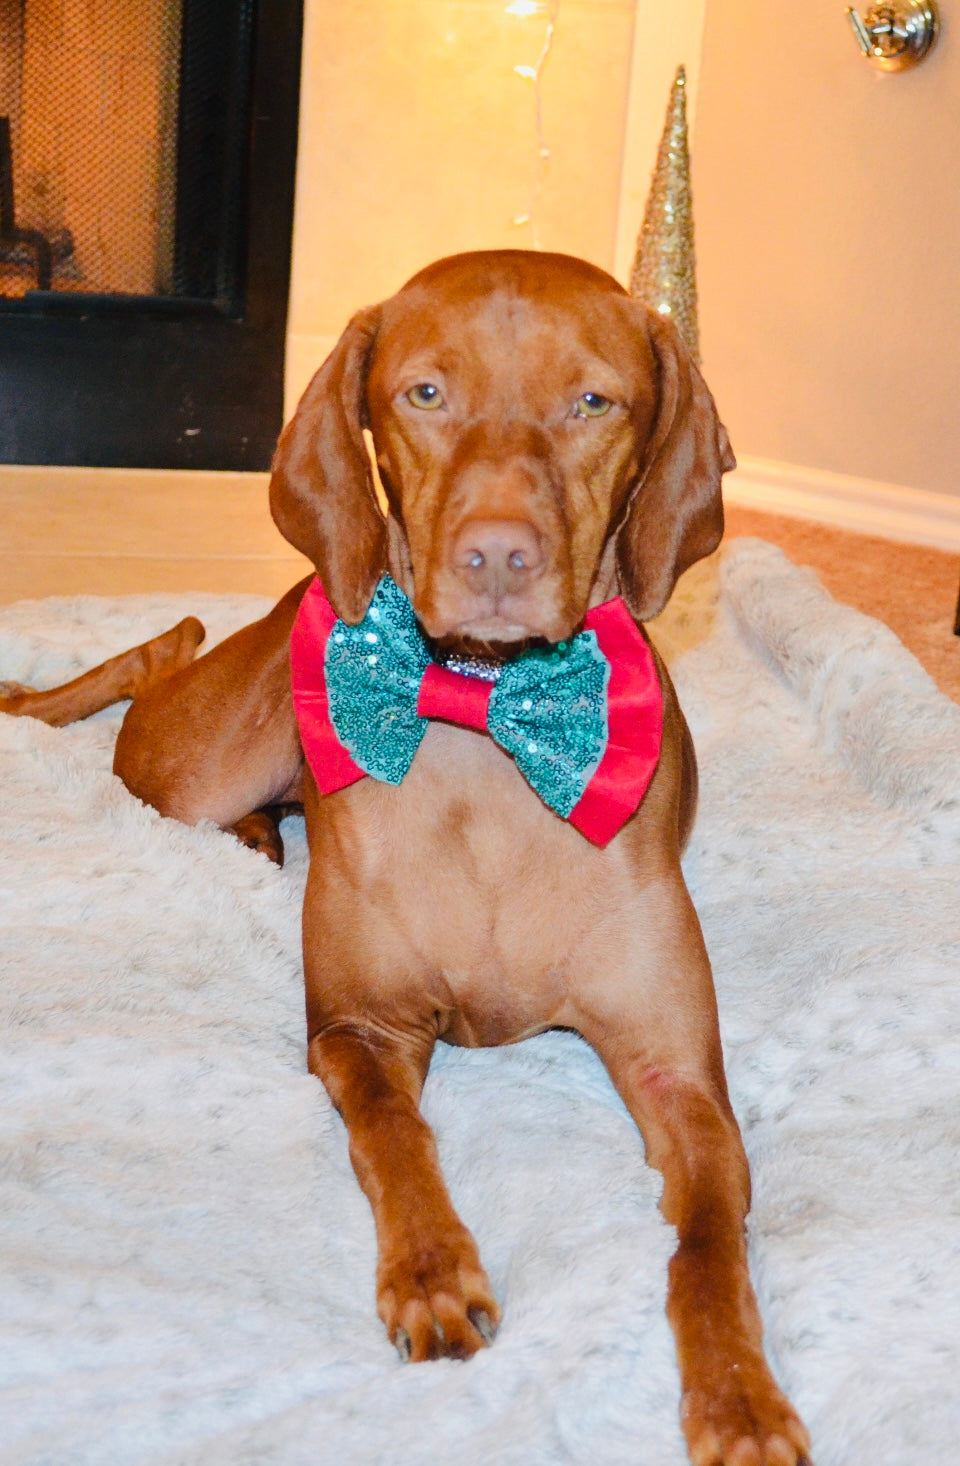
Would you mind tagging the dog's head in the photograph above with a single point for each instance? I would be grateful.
(543, 440)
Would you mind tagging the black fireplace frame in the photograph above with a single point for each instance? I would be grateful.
(193, 379)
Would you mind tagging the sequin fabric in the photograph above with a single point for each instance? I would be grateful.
(548, 709)
(373, 672)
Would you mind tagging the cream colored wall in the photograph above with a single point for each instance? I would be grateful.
(417, 139)
(826, 198)
(665, 36)
(827, 206)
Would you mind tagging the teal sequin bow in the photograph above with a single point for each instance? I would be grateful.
(546, 708)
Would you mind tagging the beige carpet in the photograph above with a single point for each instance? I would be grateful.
(911, 588)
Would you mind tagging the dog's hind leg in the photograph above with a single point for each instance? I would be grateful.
(218, 740)
(261, 830)
(125, 676)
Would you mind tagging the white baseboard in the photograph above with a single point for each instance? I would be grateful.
(890, 511)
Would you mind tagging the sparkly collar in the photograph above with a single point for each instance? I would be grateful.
(484, 669)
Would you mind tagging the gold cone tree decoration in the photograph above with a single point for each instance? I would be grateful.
(664, 273)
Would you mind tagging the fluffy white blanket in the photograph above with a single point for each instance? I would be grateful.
(187, 1259)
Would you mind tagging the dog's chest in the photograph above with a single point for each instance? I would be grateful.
(475, 889)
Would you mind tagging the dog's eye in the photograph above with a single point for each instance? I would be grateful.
(591, 404)
(425, 395)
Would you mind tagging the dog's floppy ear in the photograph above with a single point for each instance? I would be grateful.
(321, 487)
(676, 513)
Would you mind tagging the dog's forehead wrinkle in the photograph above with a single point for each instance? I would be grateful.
(505, 331)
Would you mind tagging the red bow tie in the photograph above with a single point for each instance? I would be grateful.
(583, 720)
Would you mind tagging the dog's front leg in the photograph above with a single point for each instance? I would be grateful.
(732, 1413)
(659, 1038)
(432, 1292)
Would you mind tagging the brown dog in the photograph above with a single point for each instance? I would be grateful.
(545, 444)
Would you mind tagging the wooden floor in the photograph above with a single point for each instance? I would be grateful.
(88, 531)
(113, 532)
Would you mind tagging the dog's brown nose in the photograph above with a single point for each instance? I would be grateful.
(497, 557)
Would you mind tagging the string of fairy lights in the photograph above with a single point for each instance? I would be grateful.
(664, 268)
(533, 76)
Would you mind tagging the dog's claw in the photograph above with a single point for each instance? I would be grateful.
(483, 1324)
(403, 1346)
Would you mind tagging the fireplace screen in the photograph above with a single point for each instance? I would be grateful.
(122, 135)
(147, 162)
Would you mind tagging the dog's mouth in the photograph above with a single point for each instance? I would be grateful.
(494, 627)
(472, 652)
(499, 633)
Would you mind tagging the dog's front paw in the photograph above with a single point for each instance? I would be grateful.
(743, 1419)
(435, 1298)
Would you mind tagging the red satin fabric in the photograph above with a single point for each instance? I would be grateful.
(453, 697)
(332, 766)
(634, 726)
